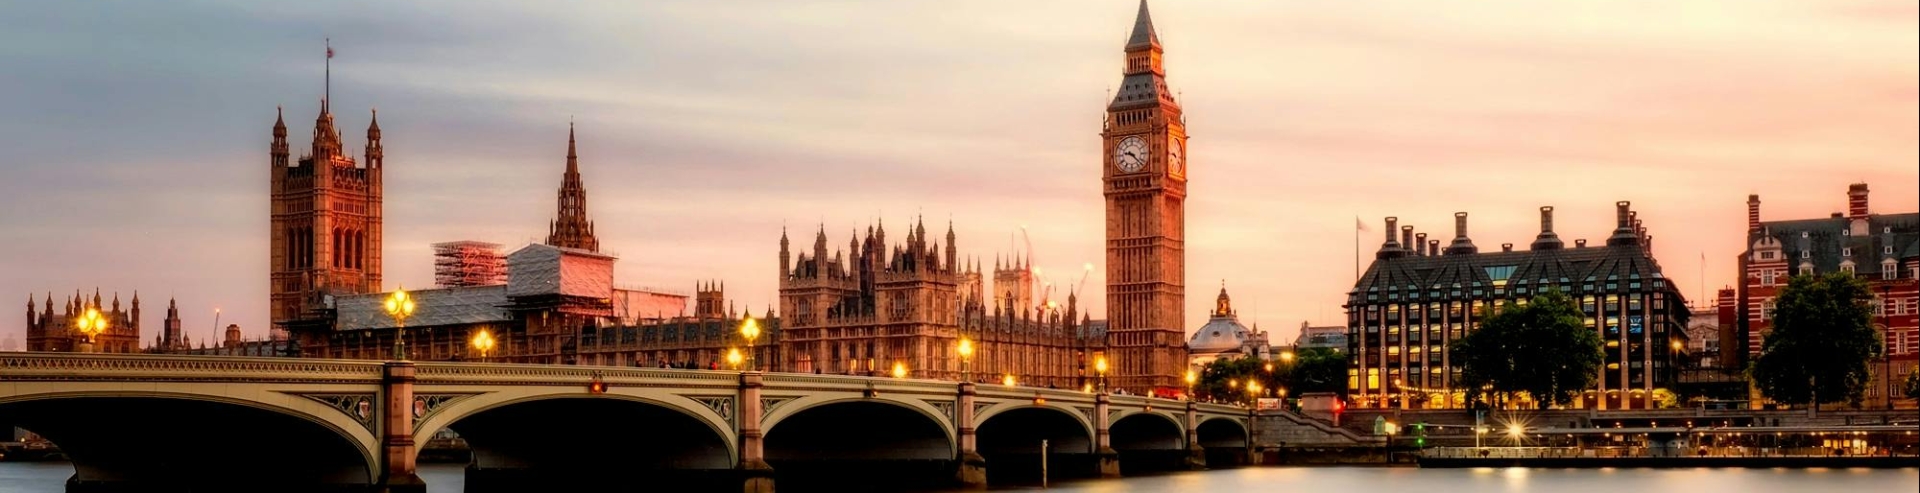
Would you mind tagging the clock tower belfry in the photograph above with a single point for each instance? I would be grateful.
(1144, 178)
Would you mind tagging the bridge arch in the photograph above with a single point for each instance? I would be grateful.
(144, 439)
(824, 442)
(1222, 431)
(1148, 441)
(528, 440)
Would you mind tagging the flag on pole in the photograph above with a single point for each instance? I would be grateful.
(1360, 225)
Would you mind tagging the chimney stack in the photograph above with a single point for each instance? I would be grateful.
(1391, 248)
(1506, 247)
(1753, 213)
(1547, 240)
(1623, 226)
(1433, 247)
(1420, 244)
(1857, 201)
(1406, 238)
(1461, 244)
(1580, 243)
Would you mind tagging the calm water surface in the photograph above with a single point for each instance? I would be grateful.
(37, 477)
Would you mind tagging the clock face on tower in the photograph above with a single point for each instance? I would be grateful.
(1176, 157)
(1130, 155)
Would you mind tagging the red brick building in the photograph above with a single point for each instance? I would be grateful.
(1883, 249)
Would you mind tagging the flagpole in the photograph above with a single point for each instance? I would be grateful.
(327, 87)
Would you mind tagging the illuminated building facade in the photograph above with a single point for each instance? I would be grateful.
(1415, 300)
(878, 306)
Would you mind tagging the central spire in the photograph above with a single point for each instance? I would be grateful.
(1143, 36)
(571, 229)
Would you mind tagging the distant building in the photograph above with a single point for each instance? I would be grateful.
(553, 303)
(48, 330)
(468, 263)
(1415, 300)
(1224, 338)
(1332, 337)
(233, 344)
(1883, 249)
(1703, 336)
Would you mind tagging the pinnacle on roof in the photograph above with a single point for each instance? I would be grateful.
(1143, 35)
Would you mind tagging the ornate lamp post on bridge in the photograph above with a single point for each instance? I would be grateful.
(733, 358)
(1191, 378)
(90, 324)
(750, 330)
(399, 306)
(482, 341)
(1100, 366)
(965, 350)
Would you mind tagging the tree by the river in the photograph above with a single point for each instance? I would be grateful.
(1821, 341)
(1542, 348)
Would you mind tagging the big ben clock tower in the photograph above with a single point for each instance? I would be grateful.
(1144, 173)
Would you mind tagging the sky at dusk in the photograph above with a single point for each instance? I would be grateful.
(134, 135)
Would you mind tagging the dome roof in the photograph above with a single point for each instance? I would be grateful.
(1219, 334)
(1223, 331)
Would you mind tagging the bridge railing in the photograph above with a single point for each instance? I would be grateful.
(153, 367)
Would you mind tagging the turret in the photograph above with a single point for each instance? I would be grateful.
(278, 150)
(374, 153)
(953, 251)
(786, 258)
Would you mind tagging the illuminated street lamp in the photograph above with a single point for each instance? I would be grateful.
(1286, 356)
(899, 370)
(1253, 390)
(399, 306)
(1100, 366)
(750, 330)
(90, 324)
(482, 341)
(733, 357)
(1191, 378)
(1008, 380)
(966, 351)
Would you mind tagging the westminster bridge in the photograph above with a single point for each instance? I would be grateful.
(201, 423)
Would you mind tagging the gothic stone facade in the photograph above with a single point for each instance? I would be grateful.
(326, 218)
(1415, 300)
(884, 306)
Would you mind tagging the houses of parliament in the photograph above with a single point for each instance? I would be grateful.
(876, 307)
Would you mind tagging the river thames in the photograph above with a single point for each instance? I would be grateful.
(40, 477)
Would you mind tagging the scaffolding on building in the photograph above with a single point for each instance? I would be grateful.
(468, 263)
